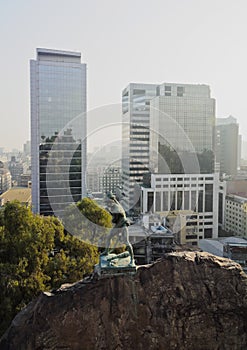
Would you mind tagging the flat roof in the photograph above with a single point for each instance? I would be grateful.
(137, 230)
(177, 212)
(215, 245)
(20, 194)
(233, 197)
(44, 51)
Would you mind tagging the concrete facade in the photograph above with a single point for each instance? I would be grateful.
(196, 192)
(236, 215)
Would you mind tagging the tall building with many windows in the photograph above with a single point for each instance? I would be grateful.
(58, 130)
(167, 128)
(236, 215)
(5, 178)
(227, 145)
(111, 179)
(182, 123)
(135, 137)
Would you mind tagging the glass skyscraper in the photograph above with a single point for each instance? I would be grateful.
(182, 129)
(167, 128)
(58, 130)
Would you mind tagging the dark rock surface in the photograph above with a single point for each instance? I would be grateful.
(189, 300)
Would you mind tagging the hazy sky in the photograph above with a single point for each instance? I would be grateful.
(188, 41)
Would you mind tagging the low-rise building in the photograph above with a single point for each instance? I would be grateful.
(150, 245)
(236, 215)
(25, 180)
(186, 226)
(234, 248)
(198, 193)
(23, 195)
(237, 186)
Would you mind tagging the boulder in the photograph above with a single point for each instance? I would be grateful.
(188, 300)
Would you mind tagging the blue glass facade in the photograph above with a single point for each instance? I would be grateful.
(58, 127)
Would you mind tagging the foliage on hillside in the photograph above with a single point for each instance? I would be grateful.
(88, 221)
(37, 254)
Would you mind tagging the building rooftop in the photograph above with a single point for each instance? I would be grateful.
(43, 51)
(226, 121)
(137, 231)
(240, 199)
(177, 212)
(23, 195)
(59, 56)
(216, 246)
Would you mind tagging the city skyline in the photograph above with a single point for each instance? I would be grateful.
(191, 42)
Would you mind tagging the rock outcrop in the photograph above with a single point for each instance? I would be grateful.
(188, 300)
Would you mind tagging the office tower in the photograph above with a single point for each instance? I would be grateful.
(5, 178)
(58, 130)
(167, 128)
(227, 145)
(135, 137)
(244, 150)
(94, 179)
(182, 126)
(27, 148)
(111, 179)
(16, 168)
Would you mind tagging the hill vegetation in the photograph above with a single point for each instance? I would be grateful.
(38, 254)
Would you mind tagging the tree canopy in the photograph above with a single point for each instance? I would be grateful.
(88, 221)
(37, 254)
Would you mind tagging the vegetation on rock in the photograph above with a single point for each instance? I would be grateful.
(38, 254)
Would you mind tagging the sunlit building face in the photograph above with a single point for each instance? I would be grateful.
(166, 128)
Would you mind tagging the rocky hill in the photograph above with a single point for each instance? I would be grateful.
(188, 300)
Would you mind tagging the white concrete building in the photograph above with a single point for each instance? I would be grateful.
(196, 192)
(236, 215)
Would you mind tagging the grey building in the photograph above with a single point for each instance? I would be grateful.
(5, 178)
(227, 145)
(94, 179)
(111, 179)
(182, 125)
(58, 130)
(16, 170)
(236, 215)
(234, 248)
(135, 137)
(167, 128)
